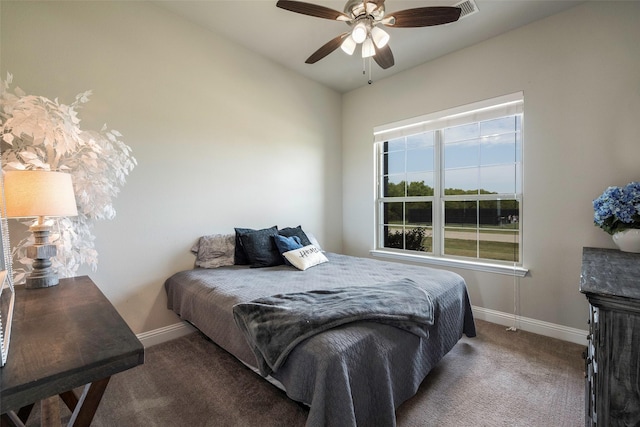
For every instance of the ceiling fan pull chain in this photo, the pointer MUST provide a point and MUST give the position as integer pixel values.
(370, 78)
(364, 66)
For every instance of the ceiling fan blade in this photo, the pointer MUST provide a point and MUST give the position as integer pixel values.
(312, 10)
(384, 57)
(326, 49)
(422, 17)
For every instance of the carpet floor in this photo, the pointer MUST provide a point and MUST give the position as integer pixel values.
(499, 378)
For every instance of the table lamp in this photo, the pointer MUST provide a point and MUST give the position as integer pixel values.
(39, 193)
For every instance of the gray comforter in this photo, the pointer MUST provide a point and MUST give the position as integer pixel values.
(354, 374)
(274, 325)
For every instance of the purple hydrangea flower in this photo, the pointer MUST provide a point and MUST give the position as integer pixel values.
(618, 208)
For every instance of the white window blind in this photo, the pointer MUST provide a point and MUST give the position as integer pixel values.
(488, 109)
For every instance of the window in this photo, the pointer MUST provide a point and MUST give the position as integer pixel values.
(449, 184)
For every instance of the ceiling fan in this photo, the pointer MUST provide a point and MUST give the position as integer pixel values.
(364, 17)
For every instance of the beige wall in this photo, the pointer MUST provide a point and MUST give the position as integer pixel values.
(223, 137)
(580, 73)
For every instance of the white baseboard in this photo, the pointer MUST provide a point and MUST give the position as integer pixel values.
(539, 327)
(565, 333)
(164, 334)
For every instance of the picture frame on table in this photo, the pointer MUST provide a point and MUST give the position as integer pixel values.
(7, 291)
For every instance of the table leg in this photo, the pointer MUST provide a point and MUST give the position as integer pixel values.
(87, 404)
(11, 419)
(83, 408)
(70, 399)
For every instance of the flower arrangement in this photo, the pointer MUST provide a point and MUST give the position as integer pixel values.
(38, 133)
(618, 208)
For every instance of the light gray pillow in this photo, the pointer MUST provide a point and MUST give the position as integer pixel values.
(215, 250)
(313, 240)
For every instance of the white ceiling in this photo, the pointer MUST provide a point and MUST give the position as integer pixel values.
(289, 38)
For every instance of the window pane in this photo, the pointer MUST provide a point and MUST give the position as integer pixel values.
(393, 213)
(490, 248)
(420, 184)
(460, 243)
(461, 228)
(418, 239)
(500, 230)
(419, 213)
(393, 186)
(394, 145)
(498, 126)
(420, 160)
(412, 239)
(461, 214)
(462, 133)
(461, 181)
(393, 237)
(420, 140)
(498, 150)
(462, 154)
(498, 179)
(393, 162)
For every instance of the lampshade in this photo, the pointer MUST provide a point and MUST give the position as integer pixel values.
(359, 32)
(380, 37)
(38, 193)
(348, 45)
(368, 49)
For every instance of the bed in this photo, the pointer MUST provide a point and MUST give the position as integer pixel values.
(353, 374)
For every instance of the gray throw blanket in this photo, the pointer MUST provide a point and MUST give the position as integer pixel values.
(274, 325)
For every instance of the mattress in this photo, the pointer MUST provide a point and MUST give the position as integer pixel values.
(354, 374)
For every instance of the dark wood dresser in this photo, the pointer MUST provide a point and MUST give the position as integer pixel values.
(610, 280)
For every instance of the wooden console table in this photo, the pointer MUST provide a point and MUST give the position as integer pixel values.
(64, 337)
(611, 282)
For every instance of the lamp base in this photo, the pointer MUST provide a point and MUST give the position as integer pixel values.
(41, 279)
(42, 275)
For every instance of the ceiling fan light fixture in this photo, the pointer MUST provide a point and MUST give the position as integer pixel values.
(368, 49)
(380, 37)
(348, 45)
(359, 32)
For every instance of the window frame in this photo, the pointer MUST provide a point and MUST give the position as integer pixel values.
(493, 108)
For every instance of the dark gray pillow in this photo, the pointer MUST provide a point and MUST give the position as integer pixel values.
(260, 248)
(239, 256)
(295, 231)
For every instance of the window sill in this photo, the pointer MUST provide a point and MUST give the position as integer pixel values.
(509, 270)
